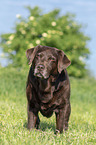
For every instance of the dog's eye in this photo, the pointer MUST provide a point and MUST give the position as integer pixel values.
(51, 59)
(39, 56)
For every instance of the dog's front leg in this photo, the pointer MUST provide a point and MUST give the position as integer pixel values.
(62, 117)
(60, 121)
(67, 111)
(32, 117)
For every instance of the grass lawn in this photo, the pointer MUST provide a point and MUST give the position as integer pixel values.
(13, 113)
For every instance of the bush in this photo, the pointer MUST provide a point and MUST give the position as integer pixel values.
(49, 29)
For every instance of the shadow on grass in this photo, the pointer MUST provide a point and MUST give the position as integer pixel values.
(25, 125)
(43, 126)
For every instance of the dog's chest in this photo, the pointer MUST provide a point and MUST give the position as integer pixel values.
(49, 94)
(50, 102)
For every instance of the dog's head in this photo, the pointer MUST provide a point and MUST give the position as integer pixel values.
(47, 61)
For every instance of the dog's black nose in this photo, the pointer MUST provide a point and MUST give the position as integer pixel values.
(40, 67)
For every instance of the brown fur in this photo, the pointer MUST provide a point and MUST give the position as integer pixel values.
(48, 87)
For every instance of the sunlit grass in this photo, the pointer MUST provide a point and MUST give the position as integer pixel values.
(13, 113)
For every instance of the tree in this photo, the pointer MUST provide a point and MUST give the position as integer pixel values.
(49, 29)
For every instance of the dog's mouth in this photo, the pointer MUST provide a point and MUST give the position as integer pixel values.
(39, 75)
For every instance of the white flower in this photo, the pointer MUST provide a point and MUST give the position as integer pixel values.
(67, 27)
(26, 25)
(42, 39)
(61, 33)
(74, 24)
(11, 37)
(8, 42)
(31, 45)
(53, 23)
(81, 58)
(49, 31)
(20, 29)
(23, 32)
(31, 18)
(53, 31)
(18, 16)
(22, 23)
(44, 34)
(37, 41)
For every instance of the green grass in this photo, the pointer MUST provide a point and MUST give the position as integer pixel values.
(13, 113)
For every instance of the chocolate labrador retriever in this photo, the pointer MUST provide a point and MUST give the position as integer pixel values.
(48, 87)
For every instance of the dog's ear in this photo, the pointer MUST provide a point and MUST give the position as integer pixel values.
(30, 54)
(63, 61)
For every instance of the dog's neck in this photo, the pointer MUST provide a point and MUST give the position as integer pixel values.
(50, 84)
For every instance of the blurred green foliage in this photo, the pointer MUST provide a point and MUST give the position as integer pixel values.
(49, 29)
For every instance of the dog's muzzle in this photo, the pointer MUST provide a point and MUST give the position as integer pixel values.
(40, 71)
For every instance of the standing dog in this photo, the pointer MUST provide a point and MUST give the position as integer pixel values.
(48, 87)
